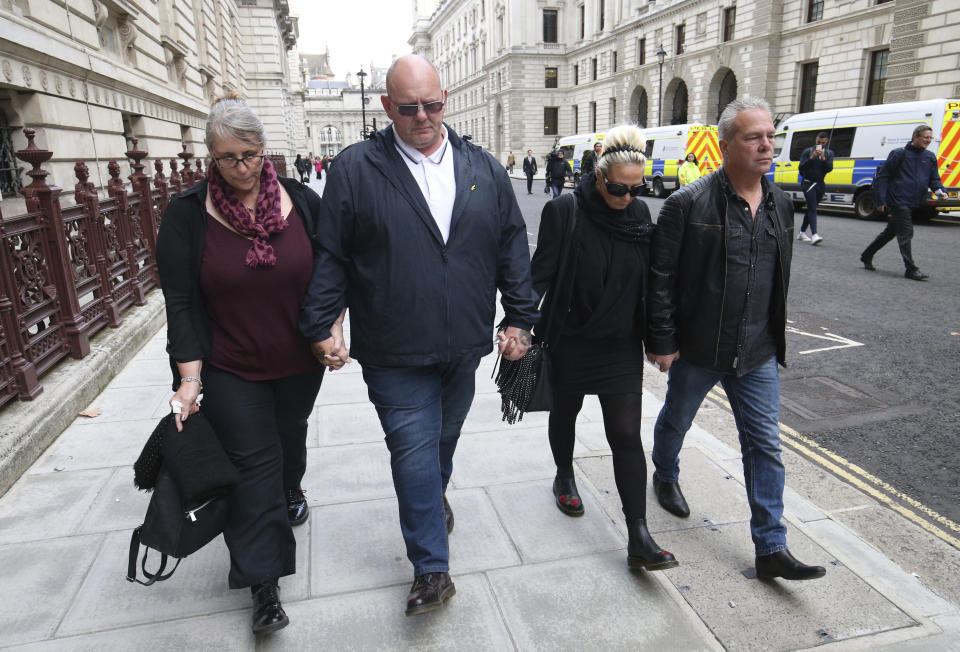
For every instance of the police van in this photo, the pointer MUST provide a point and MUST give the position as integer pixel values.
(574, 147)
(861, 137)
(666, 149)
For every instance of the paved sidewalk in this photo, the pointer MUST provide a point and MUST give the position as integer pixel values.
(528, 577)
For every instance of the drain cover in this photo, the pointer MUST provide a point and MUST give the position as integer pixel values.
(820, 397)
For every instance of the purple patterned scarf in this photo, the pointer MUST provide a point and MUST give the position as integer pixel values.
(267, 217)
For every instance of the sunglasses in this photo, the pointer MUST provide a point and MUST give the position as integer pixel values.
(619, 189)
(411, 110)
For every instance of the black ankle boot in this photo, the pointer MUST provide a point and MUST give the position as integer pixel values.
(643, 551)
(268, 614)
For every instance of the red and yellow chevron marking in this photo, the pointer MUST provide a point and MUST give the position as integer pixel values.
(703, 142)
(948, 158)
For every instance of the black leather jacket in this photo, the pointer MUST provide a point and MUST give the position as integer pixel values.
(688, 273)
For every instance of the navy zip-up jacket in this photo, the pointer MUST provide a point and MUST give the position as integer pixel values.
(907, 177)
(415, 300)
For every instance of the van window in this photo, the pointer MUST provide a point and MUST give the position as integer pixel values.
(648, 150)
(778, 142)
(841, 141)
(567, 151)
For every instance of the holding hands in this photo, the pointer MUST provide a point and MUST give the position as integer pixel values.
(332, 352)
(513, 342)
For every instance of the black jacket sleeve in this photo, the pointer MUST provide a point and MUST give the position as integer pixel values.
(513, 264)
(664, 268)
(546, 258)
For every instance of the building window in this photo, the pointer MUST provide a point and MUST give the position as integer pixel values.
(549, 25)
(681, 38)
(729, 23)
(593, 67)
(814, 10)
(551, 125)
(550, 78)
(641, 51)
(877, 81)
(613, 61)
(603, 10)
(576, 118)
(593, 116)
(613, 111)
(808, 87)
(576, 74)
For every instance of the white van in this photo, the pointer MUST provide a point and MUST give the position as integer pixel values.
(573, 148)
(861, 137)
(666, 149)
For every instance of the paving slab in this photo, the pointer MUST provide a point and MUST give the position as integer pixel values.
(339, 474)
(485, 416)
(145, 372)
(342, 388)
(225, 631)
(118, 506)
(49, 505)
(349, 558)
(353, 423)
(752, 614)
(199, 587)
(822, 488)
(542, 532)
(131, 403)
(593, 602)
(40, 580)
(156, 349)
(375, 620)
(93, 444)
(515, 455)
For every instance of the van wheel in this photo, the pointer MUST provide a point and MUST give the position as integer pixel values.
(658, 190)
(924, 213)
(863, 205)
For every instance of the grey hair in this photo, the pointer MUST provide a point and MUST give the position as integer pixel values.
(231, 117)
(623, 144)
(735, 108)
(921, 129)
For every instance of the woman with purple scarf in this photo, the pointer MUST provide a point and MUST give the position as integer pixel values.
(235, 259)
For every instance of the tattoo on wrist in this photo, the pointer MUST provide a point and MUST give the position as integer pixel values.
(524, 338)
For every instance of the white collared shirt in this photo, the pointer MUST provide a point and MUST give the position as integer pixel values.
(434, 174)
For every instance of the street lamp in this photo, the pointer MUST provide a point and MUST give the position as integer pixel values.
(363, 102)
(661, 55)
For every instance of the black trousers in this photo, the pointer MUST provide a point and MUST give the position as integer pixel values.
(263, 427)
(899, 226)
(529, 182)
(621, 422)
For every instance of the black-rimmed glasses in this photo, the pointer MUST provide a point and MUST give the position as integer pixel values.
(228, 162)
(411, 110)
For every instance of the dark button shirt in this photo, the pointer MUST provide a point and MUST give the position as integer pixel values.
(751, 275)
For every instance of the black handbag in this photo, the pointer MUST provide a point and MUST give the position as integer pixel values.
(526, 385)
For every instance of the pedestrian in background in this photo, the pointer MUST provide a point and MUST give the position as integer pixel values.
(717, 313)
(557, 173)
(300, 166)
(593, 269)
(588, 162)
(318, 166)
(815, 164)
(420, 252)
(511, 161)
(235, 260)
(689, 170)
(900, 186)
(529, 169)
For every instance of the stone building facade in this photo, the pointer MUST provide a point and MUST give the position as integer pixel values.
(89, 74)
(521, 73)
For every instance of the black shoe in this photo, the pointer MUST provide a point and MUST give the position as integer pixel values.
(297, 510)
(568, 498)
(916, 275)
(429, 592)
(868, 264)
(447, 514)
(643, 552)
(782, 564)
(670, 497)
(268, 614)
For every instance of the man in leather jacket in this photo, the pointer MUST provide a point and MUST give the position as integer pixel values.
(717, 313)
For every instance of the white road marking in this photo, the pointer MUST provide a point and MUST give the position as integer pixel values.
(841, 342)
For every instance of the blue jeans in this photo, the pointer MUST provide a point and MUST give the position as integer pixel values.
(421, 411)
(557, 189)
(813, 195)
(755, 400)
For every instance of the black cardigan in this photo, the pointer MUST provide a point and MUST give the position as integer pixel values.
(180, 245)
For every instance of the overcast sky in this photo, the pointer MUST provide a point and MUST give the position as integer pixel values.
(356, 31)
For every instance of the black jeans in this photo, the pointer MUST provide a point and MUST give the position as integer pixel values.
(899, 226)
(621, 422)
(263, 427)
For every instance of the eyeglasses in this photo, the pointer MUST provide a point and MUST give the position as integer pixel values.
(619, 189)
(411, 110)
(228, 162)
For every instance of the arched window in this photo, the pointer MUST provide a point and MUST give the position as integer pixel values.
(679, 115)
(728, 92)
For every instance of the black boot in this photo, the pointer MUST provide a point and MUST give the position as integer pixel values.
(568, 498)
(268, 614)
(670, 497)
(643, 551)
(783, 564)
(297, 509)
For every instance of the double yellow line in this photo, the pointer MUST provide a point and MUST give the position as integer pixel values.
(936, 524)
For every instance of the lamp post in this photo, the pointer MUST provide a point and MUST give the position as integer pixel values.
(661, 55)
(363, 103)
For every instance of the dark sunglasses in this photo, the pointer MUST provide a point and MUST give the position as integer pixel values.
(619, 189)
(411, 110)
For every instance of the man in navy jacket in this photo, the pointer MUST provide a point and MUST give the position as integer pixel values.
(418, 229)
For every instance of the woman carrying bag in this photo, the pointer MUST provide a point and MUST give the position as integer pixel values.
(594, 275)
(235, 260)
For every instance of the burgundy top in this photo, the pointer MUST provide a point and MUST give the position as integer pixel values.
(254, 311)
